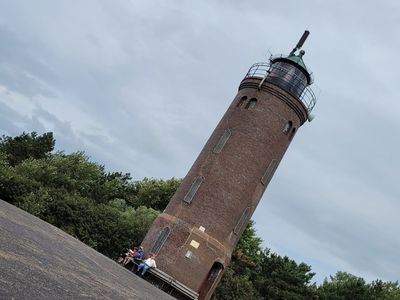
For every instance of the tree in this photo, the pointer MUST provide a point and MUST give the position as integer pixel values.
(236, 287)
(282, 278)
(27, 145)
(259, 274)
(108, 228)
(344, 286)
(248, 249)
(154, 193)
(237, 280)
(379, 290)
(73, 193)
(14, 185)
(108, 211)
(73, 172)
(110, 186)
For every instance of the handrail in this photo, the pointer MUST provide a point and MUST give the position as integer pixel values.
(262, 70)
(177, 285)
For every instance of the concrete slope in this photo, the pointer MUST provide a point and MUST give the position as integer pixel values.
(39, 261)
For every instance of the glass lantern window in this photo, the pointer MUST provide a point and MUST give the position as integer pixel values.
(287, 77)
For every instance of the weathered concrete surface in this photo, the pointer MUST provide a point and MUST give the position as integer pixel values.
(39, 261)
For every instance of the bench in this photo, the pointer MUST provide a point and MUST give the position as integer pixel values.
(166, 283)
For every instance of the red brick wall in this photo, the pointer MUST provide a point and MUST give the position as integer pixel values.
(232, 182)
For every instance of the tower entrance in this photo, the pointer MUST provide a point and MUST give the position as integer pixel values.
(212, 279)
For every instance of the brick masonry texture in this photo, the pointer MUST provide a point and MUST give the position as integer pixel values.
(232, 184)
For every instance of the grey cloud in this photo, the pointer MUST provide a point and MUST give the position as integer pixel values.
(18, 67)
(154, 79)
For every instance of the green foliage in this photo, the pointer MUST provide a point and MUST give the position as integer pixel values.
(248, 249)
(3, 159)
(344, 286)
(36, 203)
(14, 185)
(236, 287)
(26, 146)
(75, 194)
(154, 193)
(112, 186)
(282, 278)
(73, 172)
(106, 228)
(380, 290)
(262, 274)
(109, 212)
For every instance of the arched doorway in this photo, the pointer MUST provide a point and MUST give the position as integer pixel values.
(211, 281)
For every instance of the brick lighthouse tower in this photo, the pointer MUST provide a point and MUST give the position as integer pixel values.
(195, 235)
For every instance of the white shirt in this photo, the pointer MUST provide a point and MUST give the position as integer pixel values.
(150, 262)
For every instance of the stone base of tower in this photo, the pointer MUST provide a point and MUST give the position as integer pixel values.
(189, 254)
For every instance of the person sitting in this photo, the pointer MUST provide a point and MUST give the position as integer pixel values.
(139, 254)
(125, 253)
(148, 263)
(122, 256)
(130, 255)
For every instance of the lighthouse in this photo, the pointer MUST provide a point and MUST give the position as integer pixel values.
(195, 235)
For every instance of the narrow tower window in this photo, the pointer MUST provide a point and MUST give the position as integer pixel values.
(268, 172)
(287, 127)
(251, 104)
(292, 134)
(241, 101)
(242, 221)
(162, 237)
(193, 189)
(222, 141)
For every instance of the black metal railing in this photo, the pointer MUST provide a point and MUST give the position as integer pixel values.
(290, 82)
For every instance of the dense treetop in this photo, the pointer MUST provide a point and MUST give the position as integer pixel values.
(110, 211)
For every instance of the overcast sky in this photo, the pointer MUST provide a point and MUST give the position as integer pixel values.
(140, 86)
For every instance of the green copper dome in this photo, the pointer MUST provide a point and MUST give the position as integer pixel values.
(298, 59)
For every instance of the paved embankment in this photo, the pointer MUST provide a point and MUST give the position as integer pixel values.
(39, 261)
